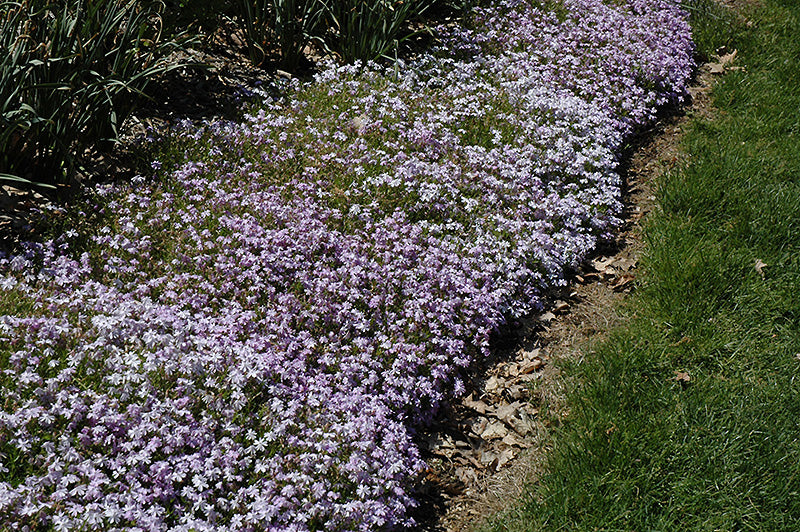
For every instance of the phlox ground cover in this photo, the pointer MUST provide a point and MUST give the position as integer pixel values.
(253, 335)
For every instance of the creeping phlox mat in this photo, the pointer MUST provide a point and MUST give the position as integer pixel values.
(250, 337)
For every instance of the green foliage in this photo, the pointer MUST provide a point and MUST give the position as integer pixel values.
(289, 24)
(350, 29)
(370, 29)
(713, 26)
(71, 71)
(459, 7)
(686, 418)
(198, 16)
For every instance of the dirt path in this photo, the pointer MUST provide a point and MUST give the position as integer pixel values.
(490, 446)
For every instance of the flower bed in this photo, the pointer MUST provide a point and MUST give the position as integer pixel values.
(255, 335)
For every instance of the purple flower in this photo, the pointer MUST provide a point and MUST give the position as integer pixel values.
(252, 343)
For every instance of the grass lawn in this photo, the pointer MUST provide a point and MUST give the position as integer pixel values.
(718, 306)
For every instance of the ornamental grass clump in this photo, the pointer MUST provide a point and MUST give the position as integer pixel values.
(71, 71)
(370, 29)
(350, 29)
(252, 337)
(290, 25)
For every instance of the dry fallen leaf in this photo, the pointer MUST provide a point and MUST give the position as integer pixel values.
(626, 263)
(547, 317)
(603, 264)
(461, 444)
(488, 459)
(530, 367)
(494, 431)
(478, 406)
(716, 68)
(528, 377)
(510, 370)
(506, 412)
(513, 439)
(493, 384)
(466, 458)
(588, 277)
(477, 426)
(760, 265)
(466, 475)
(721, 65)
(523, 424)
(727, 58)
(516, 392)
(504, 457)
(445, 452)
(533, 354)
(440, 441)
(682, 377)
(521, 427)
(623, 282)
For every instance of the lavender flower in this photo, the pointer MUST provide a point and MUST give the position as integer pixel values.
(252, 340)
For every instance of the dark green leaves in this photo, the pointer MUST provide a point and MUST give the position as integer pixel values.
(71, 71)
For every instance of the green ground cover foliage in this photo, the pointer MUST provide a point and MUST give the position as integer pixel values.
(641, 450)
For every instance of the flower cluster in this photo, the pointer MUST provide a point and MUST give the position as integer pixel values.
(253, 338)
